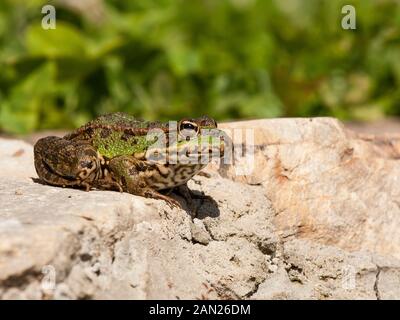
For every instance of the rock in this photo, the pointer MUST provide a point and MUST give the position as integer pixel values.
(279, 232)
(16, 159)
(199, 232)
(312, 271)
(325, 183)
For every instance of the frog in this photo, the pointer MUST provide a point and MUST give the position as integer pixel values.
(119, 152)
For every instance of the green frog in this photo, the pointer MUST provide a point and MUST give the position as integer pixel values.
(119, 152)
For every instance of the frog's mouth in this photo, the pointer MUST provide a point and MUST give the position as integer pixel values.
(212, 151)
(196, 151)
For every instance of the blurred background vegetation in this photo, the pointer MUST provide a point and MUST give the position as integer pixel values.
(165, 59)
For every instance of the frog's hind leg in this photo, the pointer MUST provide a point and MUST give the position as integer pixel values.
(131, 173)
(61, 162)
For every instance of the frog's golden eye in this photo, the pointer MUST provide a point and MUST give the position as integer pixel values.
(188, 128)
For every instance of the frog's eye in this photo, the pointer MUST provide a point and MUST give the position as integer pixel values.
(188, 125)
(188, 128)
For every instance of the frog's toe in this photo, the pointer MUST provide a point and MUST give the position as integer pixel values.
(86, 186)
(173, 203)
(169, 200)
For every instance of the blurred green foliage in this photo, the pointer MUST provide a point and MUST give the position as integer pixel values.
(165, 59)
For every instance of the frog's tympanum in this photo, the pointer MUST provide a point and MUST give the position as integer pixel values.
(119, 152)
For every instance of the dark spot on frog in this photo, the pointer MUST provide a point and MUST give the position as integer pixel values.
(134, 141)
(89, 132)
(104, 133)
(126, 136)
(107, 146)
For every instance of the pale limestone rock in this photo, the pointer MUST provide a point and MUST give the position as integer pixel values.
(326, 183)
(317, 219)
(16, 159)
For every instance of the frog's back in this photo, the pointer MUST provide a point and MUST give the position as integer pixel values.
(117, 134)
(115, 122)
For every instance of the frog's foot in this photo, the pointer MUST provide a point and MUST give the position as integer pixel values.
(188, 194)
(86, 185)
(107, 184)
(61, 162)
(150, 193)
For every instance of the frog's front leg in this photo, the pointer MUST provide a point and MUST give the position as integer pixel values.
(134, 177)
(185, 192)
(62, 162)
(188, 194)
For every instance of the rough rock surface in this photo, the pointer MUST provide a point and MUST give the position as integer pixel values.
(317, 219)
(326, 183)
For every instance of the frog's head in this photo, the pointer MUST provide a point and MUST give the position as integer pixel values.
(191, 141)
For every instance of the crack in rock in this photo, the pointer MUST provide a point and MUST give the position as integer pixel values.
(376, 284)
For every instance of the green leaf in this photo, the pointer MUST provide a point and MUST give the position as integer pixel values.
(19, 112)
(63, 41)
